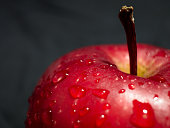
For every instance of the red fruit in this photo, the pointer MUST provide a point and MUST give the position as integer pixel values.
(70, 94)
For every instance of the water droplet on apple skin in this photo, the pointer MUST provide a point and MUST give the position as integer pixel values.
(106, 106)
(60, 76)
(97, 80)
(76, 124)
(104, 66)
(52, 103)
(101, 93)
(143, 115)
(140, 83)
(73, 111)
(89, 62)
(158, 78)
(46, 117)
(131, 86)
(122, 91)
(77, 91)
(100, 120)
(84, 111)
(155, 97)
(28, 122)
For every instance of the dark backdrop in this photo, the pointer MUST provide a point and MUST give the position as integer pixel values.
(33, 33)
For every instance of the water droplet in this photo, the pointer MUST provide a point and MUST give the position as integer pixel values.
(155, 97)
(143, 115)
(131, 86)
(36, 116)
(116, 78)
(29, 122)
(100, 120)
(122, 90)
(37, 88)
(52, 103)
(89, 62)
(76, 124)
(60, 76)
(97, 80)
(96, 74)
(106, 106)
(47, 117)
(77, 91)
(104, 66)
(81, 61)
(74, 105)
(48, 93)
(54, 123)
(60, 110)
(84, 111)
(73, 111)
(121, 77)
(140, 83)
(169, 94)
(101, 93)
(158, 78)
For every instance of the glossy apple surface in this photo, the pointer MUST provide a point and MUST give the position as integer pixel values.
(91, 87)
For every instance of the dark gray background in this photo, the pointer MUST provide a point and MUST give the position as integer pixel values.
(33, 33)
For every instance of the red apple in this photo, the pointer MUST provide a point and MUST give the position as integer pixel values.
(91, 87)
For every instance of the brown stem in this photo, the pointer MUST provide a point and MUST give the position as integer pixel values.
(127, 20)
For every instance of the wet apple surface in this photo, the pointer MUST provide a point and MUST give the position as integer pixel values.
(93, 87)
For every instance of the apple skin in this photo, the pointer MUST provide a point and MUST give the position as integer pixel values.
(86, 89)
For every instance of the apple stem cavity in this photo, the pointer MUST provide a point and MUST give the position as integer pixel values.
(127, 20)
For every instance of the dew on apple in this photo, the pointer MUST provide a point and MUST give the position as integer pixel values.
(76, 124)
(60, 110)
(116, 78)
(74, 105)
(73, 111)
(37, 102)
(84, 111)
(46, 116)
(52, 103)
(101, 93)
(131, 86)
(155, 97)
(54, 123)
(96, 74)
(29, 122)
(97, 80)
(106, 106)
(140, 83)
(122, 91)
(158, 78)
(104, 66)
(121, 77)
(124, 81)
(77, 91)
(60, 76)
(100, 120)
(143, 115)
(89, 62)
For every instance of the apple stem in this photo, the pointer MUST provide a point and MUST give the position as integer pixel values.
(127, 20)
